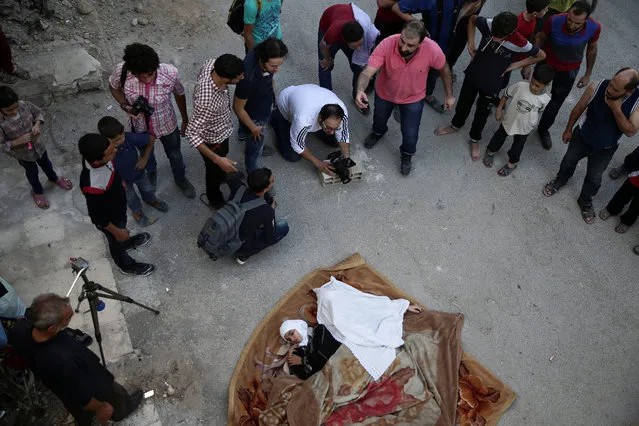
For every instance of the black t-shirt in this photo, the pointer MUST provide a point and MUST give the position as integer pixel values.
(256, 88)
(67, 367)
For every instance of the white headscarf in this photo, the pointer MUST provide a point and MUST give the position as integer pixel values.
(299, 325)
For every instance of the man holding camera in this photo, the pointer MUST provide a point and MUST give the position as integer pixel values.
(66, 366)
(143, 87)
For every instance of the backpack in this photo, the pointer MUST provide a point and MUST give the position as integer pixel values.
(235, 20)
(220, 235)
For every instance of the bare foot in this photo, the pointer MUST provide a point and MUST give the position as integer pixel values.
(475, 154)
(445, 130)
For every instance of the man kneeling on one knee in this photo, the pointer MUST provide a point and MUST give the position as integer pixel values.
(259, 229)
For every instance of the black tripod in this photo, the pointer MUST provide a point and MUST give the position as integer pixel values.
(92, 291)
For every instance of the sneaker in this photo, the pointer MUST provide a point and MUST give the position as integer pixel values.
(144, 220)
(267, 151)
(546, 140)
(406, 165)
(617, 172)
(160, 205)
(135, 399)
(371, 140)
(139, 240)
(187, 189)
(137, 268)
(241, 260)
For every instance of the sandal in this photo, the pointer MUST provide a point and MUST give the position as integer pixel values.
(489, 159)
(159, 205)
(617, 172)
(587, 212)
(40, 200)
(604, 214)
(622, 228)
(435, 104)
(550, 189)
(64, 183)
(506, 170)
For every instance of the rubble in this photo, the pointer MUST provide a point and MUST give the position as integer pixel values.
(84, 7)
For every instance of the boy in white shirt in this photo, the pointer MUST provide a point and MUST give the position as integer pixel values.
(528, 100)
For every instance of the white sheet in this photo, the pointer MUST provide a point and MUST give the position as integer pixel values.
(360, 57)
(370, 326)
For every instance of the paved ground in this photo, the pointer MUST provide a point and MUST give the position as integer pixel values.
(531, 277)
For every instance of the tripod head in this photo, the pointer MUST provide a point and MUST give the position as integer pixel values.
(79, 266)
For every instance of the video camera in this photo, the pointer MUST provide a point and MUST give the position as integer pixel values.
(341, 165)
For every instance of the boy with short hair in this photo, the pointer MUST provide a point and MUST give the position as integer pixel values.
(500, 45)
(106, 201)
(131, 167)
(526, 23)
(527, 100)
(20, 123)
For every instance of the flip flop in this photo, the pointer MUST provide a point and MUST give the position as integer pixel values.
(506, 170)
(435, 104)
(40, 200)
(587, 213)
(550, 189)
(488, 160)
(64, 183)
(621, 228)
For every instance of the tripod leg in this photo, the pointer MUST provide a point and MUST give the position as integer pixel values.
(110, 294)
(96, 325)
(81, 297)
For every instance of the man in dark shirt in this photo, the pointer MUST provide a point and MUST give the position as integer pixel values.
(67, 367)
(259, 228)
(254, 97)
(106, 202)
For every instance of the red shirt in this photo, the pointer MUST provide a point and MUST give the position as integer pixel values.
(385, 14)
(526, 29)
(404, 82)
(333, 20)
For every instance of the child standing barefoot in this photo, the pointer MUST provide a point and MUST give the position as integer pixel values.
(20, 123)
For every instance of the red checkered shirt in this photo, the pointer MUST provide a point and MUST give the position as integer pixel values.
(210, 122)
(13, 129)
(158, 93)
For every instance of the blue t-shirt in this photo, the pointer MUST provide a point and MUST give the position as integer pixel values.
(430, 16)
(256, 88)
(266, 22)
(127, 155)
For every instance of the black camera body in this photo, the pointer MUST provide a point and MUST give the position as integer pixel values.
(141, 105)
(341, 165)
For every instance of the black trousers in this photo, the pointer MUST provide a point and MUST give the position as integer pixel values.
(515, 150)
(628, 193)
(469, 92)
(561, 87)
(598, 161)
(387, 29)
(118, 249)
(215, 176)
(631, 162)
(119, 399)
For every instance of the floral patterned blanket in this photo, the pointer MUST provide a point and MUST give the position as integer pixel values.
(431, 381)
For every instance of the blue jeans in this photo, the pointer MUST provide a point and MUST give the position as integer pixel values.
(171, 144)
(325, 78)
(250, 248)
(282, 128)
(147, 191)
(31, 170)
(252, 148)
(411, 116)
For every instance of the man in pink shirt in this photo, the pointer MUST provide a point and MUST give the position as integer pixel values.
(403, 61)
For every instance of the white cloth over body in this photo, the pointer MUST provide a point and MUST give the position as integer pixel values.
(370, 326)
(360, 57)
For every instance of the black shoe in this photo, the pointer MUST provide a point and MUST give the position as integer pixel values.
(138, 240)
(406, 165)
(371, 140)
(546, 140)
(137, 268)
(617, 172)
(267, 151)
(187, 189)
(135, 399)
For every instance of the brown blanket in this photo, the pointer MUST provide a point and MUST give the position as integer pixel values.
(431, 381)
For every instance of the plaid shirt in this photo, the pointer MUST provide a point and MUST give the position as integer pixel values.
(211, 119)
(163, 120)
(13, 129)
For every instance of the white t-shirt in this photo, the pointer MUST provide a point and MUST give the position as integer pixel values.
(301, 106)
(523, 109)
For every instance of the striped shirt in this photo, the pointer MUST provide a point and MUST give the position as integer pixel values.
(163, 121)
(211, 119)
(301, 106)
(14, 127)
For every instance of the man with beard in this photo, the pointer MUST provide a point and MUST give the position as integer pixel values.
(564, 38)
(612, 113)
(404, 61)
(211, 125)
